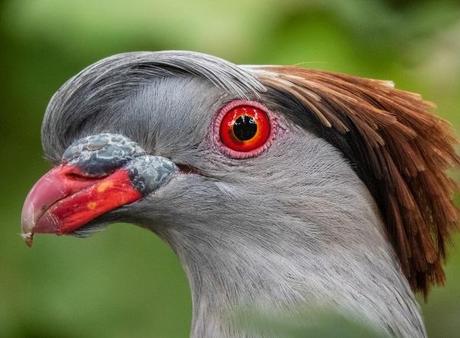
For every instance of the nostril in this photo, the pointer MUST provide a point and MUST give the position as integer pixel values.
(81, 177)
(74, 173)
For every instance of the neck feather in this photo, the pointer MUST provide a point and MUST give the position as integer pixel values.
(234, 274)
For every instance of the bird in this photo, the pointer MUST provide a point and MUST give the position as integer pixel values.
(279, 188)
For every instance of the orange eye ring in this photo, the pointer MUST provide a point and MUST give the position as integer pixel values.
(244, 129)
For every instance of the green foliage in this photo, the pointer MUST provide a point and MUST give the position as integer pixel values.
(125, 282)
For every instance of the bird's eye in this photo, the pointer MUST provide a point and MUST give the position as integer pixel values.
(244, 129)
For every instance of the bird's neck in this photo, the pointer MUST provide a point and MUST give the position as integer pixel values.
(235, 274)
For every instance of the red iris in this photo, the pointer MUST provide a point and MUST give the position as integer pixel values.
(244, 128)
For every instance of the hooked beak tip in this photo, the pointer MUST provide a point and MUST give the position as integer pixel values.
(27, 225)
(28, 238)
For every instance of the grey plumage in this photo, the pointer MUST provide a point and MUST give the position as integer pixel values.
(293, 228)
(107, 83)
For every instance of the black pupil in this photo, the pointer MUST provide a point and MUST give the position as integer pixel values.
(244, 128)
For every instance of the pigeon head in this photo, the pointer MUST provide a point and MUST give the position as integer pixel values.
(275, 186)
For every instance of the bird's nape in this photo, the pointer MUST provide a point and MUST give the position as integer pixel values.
(399, 148)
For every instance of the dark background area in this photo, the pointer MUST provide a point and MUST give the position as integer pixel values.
(125, 282)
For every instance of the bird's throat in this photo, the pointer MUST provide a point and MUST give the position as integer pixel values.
(228, 280)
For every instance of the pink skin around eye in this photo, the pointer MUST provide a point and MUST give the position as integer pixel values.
(243, 154)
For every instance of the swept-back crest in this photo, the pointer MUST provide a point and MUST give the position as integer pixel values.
(399, 148)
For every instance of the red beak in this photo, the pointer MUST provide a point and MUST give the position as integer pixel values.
(64, 200)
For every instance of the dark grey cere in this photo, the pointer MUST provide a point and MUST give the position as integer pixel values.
(100, 154)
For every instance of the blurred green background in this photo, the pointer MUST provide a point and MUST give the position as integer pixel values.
(125, 282)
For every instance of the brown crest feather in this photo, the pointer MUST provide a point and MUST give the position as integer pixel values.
(406, 148)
